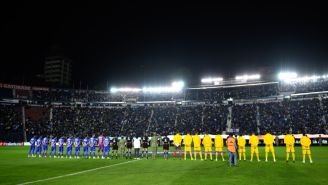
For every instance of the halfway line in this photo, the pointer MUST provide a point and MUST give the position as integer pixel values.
(76, 173)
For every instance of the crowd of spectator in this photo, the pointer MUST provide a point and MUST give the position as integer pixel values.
(11, 127)
(305, 86)
(214, 95)
(279, 117)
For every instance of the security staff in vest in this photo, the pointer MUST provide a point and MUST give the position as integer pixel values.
(232, 149)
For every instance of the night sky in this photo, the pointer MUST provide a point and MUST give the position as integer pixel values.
(138, 43)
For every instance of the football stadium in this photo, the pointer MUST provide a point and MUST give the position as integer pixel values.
(167, 135)
(194, 93)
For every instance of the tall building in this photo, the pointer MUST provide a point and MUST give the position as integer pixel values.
(58, 71)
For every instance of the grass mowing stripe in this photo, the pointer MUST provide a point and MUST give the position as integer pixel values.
(77, 173)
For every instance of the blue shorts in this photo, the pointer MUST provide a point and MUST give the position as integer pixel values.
(85, 148)
(32, 147)
(61, 148)
(107, 149)
(45, 147)
(39, 149)
(92, 148)
(53, 148)
(69, 148)
(77, 149)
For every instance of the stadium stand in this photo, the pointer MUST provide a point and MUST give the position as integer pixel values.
(259, 108)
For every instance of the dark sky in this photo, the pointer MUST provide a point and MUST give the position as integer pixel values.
(138, 43)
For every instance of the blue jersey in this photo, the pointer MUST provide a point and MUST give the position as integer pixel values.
(38, 142)
(45, 141)
(92, 142)
(61, 142)
(53, 142)
(106, 141)
(77, 142)
(69, 142)
(32, 141)
(85, 142)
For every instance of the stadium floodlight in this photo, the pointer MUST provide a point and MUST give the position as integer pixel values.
(214, 80)
(178, 84)
(175, 87)
(287, 76)
(124, 89)
(248, 77)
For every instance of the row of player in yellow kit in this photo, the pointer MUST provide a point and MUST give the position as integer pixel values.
(289, 140)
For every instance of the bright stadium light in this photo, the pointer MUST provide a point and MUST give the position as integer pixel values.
(248, 77)
(214, 80)
(124, 89)
(175, 87)
(178, 84)
(287, 76)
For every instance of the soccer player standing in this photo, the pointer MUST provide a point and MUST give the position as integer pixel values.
(77, 144)
(218, 142)
(39, 146)
(106, 153)
(145, 143)
(241, 147)
(69, 147)
(85, 144)
(32, 148)
(122, 146)
(154, 145)
(61, 142)
(45, 146)
(177, 144)
(254, 142)
(289, 140)
(92, 145)
(136, 146)
(53, 147)
(268, 141)
(197, 148)
(166, 147)
(187, 145)
(101, 139)
(306, 142)
(115, 147)
(207, 142)
(129, 143)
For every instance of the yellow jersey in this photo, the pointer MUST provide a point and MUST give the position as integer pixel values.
(196, 140)
(177, 139)
(241, 141)
(187, 140)
(254, 140)
(305, 141)
(207, 141)
(289, 139)
(218, 142)
(268, 139)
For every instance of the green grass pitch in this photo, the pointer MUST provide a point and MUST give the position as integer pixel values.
(16, 168)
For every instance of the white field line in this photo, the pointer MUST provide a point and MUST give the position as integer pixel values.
(77, 173)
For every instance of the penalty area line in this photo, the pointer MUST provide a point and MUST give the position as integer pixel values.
(77, 173)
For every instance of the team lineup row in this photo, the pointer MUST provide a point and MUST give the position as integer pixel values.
(39, 146)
